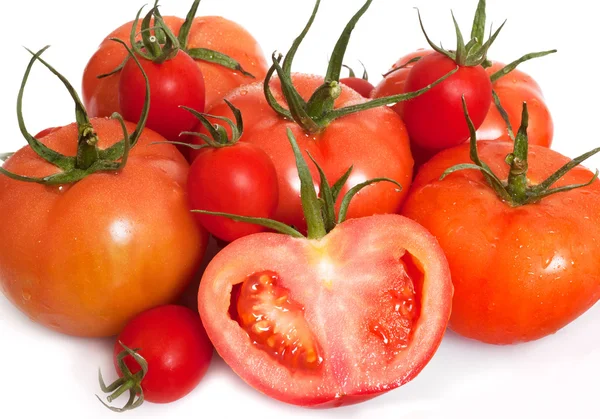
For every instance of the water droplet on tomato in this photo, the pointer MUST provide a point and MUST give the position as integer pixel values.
(243, 92)
(26, 296)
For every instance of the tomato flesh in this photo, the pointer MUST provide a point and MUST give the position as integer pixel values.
(275, 322)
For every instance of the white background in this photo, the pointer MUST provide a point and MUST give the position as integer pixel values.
(44, 373)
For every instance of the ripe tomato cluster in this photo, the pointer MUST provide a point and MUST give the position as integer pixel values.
(349, 232)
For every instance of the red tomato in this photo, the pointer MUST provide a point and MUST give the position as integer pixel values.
(512, 89)
(330, 321)
(174, 344)
(435, 119)
(238, 179)
(213, 32)
(375, 142)
(84, 258)
(175, 82)
(520, 273)
(361, 86)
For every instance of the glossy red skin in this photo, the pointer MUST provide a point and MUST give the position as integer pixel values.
(239, 179)
(435, 120)
(362, 86)
(337, 279)
(512, 89)
(83, 259)
(173, 342)
(519, 273)
(100, 96)
(175, 82)
(374, 142)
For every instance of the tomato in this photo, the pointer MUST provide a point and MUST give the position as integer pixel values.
(520, 272)
(173, 344)
(173, 83)
(239, 179)
(435, 120)
(353, 310)
(374, 141)
(213, 32)
(103, 249)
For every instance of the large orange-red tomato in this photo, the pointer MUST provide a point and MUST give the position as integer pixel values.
(512, 89)
(331, 321)
(85, 258)
(374, 142)
(520, 273)
(101, 96)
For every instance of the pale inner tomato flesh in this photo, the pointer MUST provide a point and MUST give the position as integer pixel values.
(394, 317)
(275, 322)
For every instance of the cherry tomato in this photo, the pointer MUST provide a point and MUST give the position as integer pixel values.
(331, 321)
(520, 273)
(361, 86)
(101, 96)
(374, 142)
(175, 82)
(103, 249)
(173, 343)
(435, 119)
(238, 179)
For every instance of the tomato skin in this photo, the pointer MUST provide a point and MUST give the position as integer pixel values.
(361, 86)
(512, 89)
(83, 259)
(435, 120)
(347, 268)
(374, 142)
(238, 179)
(519, 273)
(100, 96)
(173, 342)
(173, 83)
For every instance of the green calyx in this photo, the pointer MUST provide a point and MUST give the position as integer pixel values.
(218, 134)
(517, 190)
(128, 382)
(159, 43)
(319, 211)
(318, 112)
(474, 52)
(89, 158)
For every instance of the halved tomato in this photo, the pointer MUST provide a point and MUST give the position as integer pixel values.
(330, 321)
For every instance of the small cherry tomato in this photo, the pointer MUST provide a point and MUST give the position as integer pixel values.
(161, 355)
(173, 83)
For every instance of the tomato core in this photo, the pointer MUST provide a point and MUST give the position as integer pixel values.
(275, 322)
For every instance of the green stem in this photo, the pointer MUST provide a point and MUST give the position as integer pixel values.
(184, 32)
(510, 67)
(478, 30)
(517, 177)
(337, 57)
(323, 99)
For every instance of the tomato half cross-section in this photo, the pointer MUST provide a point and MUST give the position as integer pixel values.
(353, 310)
